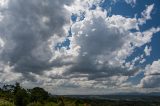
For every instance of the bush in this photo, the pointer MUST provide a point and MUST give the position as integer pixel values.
(21, 98)
(38, 94)
(5, 103)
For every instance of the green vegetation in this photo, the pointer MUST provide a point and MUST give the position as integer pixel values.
(5, 103)
(15, 95)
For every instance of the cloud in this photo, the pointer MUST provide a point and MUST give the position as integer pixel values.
(5, 71)
(131, 2)
(151, 76)
(147, 50)
(146, 14)
(29, 29)
(99, 44)
(104, 44)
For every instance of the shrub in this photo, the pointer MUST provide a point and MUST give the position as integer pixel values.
(5, 103)
(38, 94)
(21, 98)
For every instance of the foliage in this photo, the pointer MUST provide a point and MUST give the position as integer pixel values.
(5, 103)
(21, 98)
(38, 94)
(15, 95)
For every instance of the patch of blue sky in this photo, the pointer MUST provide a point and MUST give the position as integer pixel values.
(78, 17)
(65, 44)
(106, 5)
(118, 8)
(155, 21)
(81, 16)
(69, 32)
(74, 17)
(155, 53)
(137, 52)
(136, 79)
(122, 8)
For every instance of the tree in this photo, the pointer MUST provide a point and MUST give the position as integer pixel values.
(38, 94)
(21, 97)
(8, 88)
(16, 88)
(7, 92)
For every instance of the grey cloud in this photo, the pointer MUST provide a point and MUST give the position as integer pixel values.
(98, 39)
(151, 81)
(151, 76)
(26, 27)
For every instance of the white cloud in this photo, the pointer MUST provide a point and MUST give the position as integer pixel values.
(123, 22)
(7, 75)
(99, 47)
(100, 42)
(147, 50)
(151, 76)
(140, 38)
(153, 69)
(142, 61)
(1, 43)
(131, 2)
(146, 14)
(3, 3)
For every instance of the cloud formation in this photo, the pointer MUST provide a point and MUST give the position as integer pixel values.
(100, 39)
(152, 76)
(26, 30)
(97, 52)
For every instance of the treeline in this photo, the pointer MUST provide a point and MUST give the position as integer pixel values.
(15, 95)
(27, 97)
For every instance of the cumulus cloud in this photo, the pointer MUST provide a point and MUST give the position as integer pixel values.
(152, 76)
(104, 44)
(98, 46)
(26, 30)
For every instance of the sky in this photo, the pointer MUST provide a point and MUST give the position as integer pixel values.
(81, 46)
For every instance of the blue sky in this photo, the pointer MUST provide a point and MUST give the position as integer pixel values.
(79, 47)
